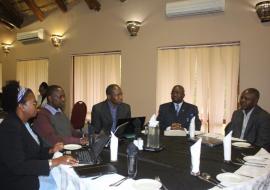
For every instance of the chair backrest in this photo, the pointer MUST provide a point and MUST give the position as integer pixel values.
(78, 115)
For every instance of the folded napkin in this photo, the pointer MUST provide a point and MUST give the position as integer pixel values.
(195, 156)
(227, 146)
(114, 147)
(139, 143)
(153, 121)
(192, 128)
(57, 155)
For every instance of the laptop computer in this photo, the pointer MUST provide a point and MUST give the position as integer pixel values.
(94, 170)
(129, 127)
(90, 155)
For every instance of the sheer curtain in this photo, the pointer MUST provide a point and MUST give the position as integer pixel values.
(209, 75)
(92, 74)
(1, 77)
(31, 73)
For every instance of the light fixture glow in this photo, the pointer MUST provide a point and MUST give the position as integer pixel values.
(6, 48)
(56, 40)
(133, 27)
(263, 10)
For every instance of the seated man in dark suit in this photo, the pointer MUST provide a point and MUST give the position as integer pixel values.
(178, 114)
(251, 122)
(105, 114)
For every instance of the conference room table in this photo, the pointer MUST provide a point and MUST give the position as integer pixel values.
(172, 165)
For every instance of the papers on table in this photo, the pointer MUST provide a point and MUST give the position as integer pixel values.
(179, 133)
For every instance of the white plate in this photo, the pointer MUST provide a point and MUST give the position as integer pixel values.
(72, 146)
(230, 178)
(147, 184)
(254, 159)
(241, 144)
(237, 139)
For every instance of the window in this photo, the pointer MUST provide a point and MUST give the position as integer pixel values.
(31, 73)
(209, 75)
(92, 74)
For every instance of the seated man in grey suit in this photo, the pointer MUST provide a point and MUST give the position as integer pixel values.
(105, 114)
(178, 113)
(251, 122)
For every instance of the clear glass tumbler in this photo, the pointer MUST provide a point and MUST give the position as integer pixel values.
(132, 166)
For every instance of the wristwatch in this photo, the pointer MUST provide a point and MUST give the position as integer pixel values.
(50, 163)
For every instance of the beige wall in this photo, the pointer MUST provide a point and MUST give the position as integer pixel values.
(88, 31)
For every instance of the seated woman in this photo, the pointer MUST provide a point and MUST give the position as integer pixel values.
(22, 156)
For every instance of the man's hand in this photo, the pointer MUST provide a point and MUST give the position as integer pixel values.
(57, 147)
(84, 141)
(67, 160)
(176, 126)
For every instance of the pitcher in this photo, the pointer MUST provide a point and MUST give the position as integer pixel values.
(152, 136)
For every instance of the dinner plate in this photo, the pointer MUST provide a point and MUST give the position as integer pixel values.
(230, 178)
(72, 146)
(241, 144)
(254, 159)
(237, 139)
(147, 184)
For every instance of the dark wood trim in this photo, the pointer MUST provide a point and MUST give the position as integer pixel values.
(61, 4)
(36, 10)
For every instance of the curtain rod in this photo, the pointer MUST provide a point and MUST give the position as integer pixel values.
(97, 53)
(31, 59)
(201, 45)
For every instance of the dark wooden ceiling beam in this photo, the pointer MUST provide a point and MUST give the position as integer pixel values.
(93, 4)
(61, 4)
(36, 10)
(9, 15)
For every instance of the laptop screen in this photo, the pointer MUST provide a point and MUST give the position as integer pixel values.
(129, 127)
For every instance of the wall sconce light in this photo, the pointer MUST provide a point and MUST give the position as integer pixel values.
(133, 27)
(56, 40)
(263, 11)
(6, 48)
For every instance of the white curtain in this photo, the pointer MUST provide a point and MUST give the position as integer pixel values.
(1, 77)
(209, 75)
(92, 74)
(31, 73)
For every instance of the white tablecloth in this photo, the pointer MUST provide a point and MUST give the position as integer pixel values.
(63, 177)
(261, 180)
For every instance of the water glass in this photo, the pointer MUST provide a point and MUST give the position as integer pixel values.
(132, 166)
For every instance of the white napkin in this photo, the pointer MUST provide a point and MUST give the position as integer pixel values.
(192, 128)
(57, 155)
(114, 147)
(138, 143)
(153, 121)
(227, 146)
(195, 156)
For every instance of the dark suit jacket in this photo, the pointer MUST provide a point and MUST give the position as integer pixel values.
(22, 160)
(167, 115)
(257, 130)
(101, 118)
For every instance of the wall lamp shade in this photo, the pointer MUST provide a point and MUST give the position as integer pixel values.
(133, 27)
(263, 11)
(56, 40)
(6, 48)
